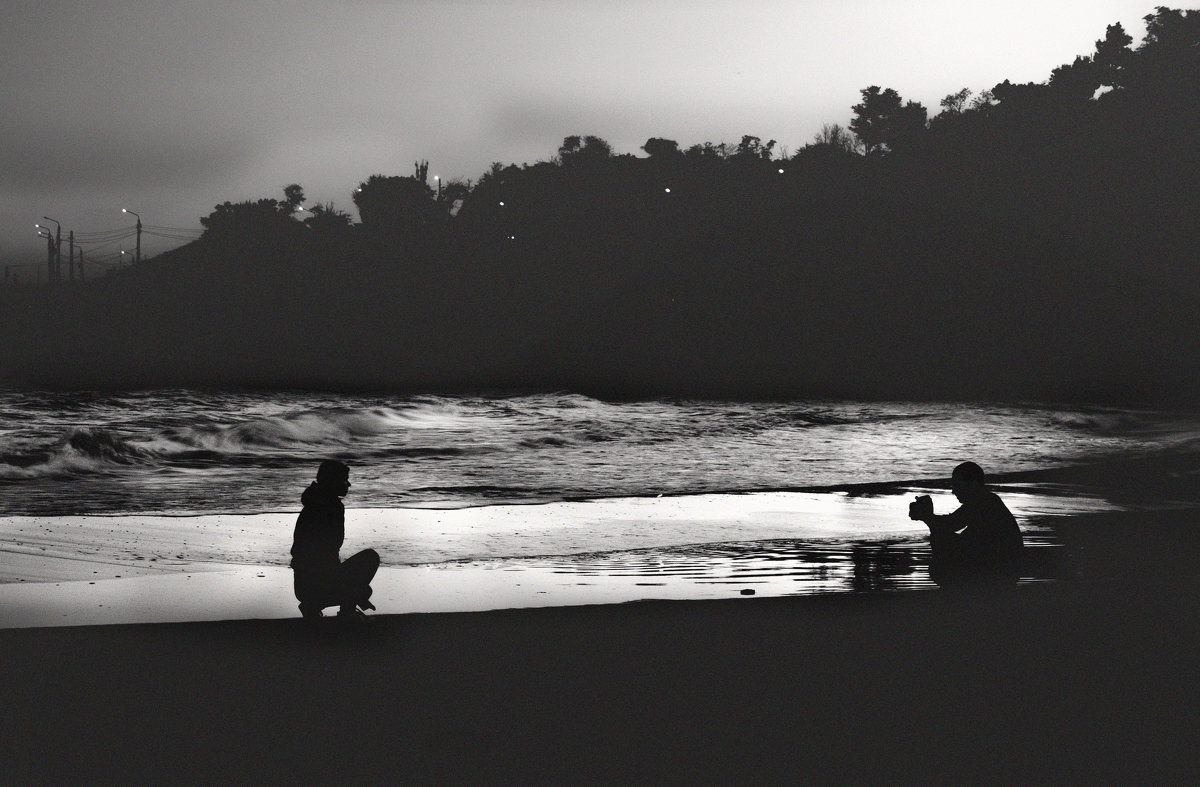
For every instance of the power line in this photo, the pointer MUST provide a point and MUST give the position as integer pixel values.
(171, 236)
(102, 236)
(173, 229)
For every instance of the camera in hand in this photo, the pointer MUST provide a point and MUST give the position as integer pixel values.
(921, 507)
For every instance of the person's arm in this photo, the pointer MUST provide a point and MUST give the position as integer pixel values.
(922, 511)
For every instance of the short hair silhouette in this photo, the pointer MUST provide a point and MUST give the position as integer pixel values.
(332, 470)
(969, 472)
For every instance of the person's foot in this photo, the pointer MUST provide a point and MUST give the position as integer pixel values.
(309, 611)
(353, 617)
(365, 605)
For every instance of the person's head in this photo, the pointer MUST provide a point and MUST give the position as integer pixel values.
(967, 481)
(334, 475)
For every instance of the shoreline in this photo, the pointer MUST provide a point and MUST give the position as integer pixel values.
(87, 570)
(61, 547)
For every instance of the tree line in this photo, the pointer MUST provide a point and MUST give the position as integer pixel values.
(1031, 240)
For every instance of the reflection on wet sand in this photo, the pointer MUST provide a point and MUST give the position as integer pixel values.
(787, 567)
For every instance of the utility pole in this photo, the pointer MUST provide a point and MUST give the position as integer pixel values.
(137, 256)
(56, 266)
(71, 256)
(49, 256)
(81, 265)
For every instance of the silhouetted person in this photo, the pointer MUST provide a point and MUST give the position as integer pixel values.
(980, 542)
(321, 579)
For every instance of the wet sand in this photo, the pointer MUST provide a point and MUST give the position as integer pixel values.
(80, 570)
(86, 570)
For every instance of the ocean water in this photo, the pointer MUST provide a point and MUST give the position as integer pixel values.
(488, 501)
(187, 452)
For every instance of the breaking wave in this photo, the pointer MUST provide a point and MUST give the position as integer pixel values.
(173, 451)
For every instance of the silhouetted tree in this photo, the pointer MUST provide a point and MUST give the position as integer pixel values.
(1112, 56)
(395, 205)
(834, 137)
(326, 218)
(1168, 59)
(883, 122)
(752, 149)
(588, 149)
(956, 103)
(256, 220)
(657, 147)
(293, 198)
(984, 99)
(1077, 81)
(708, 150)
(453, 194)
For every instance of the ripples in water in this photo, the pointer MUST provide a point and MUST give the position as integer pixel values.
(777, 567)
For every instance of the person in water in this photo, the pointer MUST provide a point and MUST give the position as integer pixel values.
(979, 541)
(321, 579)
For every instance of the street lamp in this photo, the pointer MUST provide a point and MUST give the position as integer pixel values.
(137, 258)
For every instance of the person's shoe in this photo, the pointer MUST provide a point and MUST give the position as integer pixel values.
(353, 618)
(309, 611)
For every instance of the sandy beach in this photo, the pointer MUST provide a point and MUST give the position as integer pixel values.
(1089, 678)
(1062, 683)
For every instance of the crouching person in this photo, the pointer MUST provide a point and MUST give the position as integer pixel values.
(320, 577)
(979, 543)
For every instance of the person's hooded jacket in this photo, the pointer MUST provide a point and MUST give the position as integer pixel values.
(320, 529)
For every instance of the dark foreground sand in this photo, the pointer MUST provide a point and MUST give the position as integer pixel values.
(1085, 681)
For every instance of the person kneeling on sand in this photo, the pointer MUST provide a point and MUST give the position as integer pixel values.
(320, 578)
(979, 542)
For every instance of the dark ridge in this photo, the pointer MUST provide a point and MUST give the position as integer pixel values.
(1036, 242)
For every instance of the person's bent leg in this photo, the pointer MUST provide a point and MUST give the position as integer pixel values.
(315, 590)
(947, 560)
(357, 572)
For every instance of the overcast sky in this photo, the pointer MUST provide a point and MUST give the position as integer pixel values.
(169, 107)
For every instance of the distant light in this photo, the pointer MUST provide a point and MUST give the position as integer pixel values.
(667, 190)
(502, 204)
(512, 237)
(781, 170)
(124, 210)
